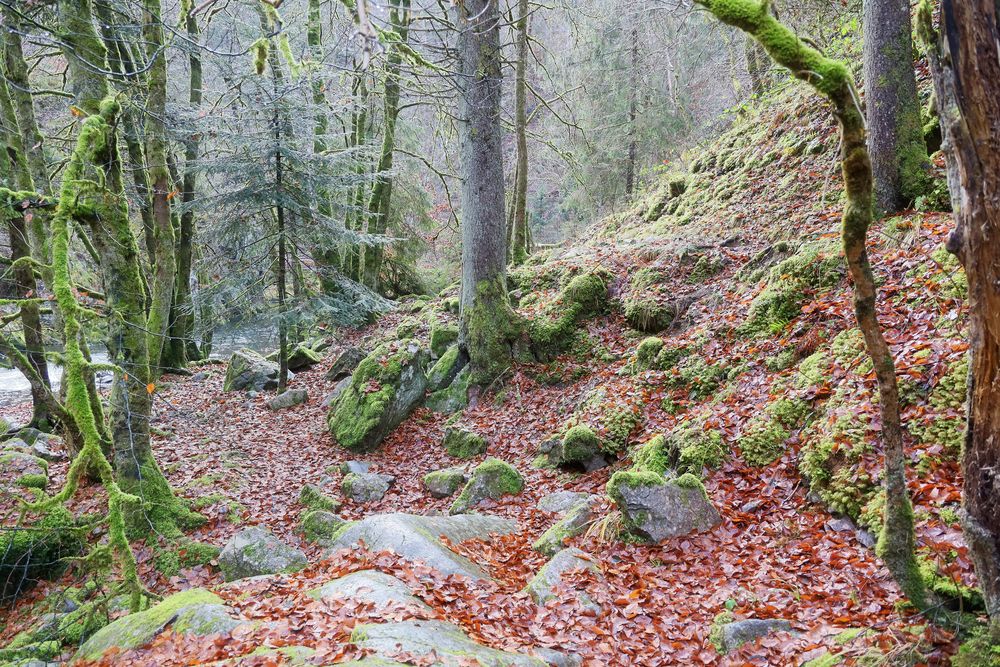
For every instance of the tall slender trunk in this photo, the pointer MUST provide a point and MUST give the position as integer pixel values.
(633, 95)
(519, 237)
(967, 88)
(488, 325)
(896, 545)
(381, 197)
(895, 134)
(356, 217)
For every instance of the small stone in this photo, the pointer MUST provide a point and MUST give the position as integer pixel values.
(840, 525)
(561, 501)
(359, 467)
(730, 636)
(345, 363)
(445, 483)
(255, 551)
(751, 506)
(338, 389)
(493, 479)
(288, 398)
(366, 487)
(867, 538)
(200, 376)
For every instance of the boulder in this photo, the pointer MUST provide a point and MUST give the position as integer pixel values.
(248, 370)
(445, 483)
(255, 551)
(312, 497)
(435, 642)
(359, 467)
(454, 397)
(416, 538)
(492, 479)
(320, 526)
(561, 501)
(447, 368)
(543, 586)
(384, 389)
(463, 443)
(729, 633)
(345, 363)
(574, 523)
(303, 357)
(20, 469)
(366, 487)
(654, 508)
(195, 612)
(288, 398)
(370, 586)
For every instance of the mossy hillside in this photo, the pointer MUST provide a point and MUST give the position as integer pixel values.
(612, 415)
(944, 424)
(817, 265)
(585, 296)
(699, 377)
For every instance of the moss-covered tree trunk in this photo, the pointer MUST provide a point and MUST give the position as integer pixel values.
(95, 197)
(356, 197)
(487, 320)
(633, 102)
(896, 544)
(967, 86)
(519, 236)
(895, 133)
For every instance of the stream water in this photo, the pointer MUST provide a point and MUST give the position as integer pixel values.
(14, 387)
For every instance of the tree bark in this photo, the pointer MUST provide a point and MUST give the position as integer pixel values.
(966, 73)
(896, 545)
(633, 101)
(895, 134)
(487, 320)
(519, 238)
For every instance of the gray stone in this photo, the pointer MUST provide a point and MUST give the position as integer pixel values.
(248, 370)
(319, 526)
(370, 586)
(655, 509)
(195, 612)
(449, 645)
(345, 363)
(359, 467)
(255, 551)
(288, 398)
(338, 389)
(416, 538)
(447, 368)
(452, 398)
(555, 658)
(574, 523)
(733, 635)
(445, 483)
(561, 501)
(200, 376)
(543, 585)
(366, 487)
(19, 469)
(491, 479)
(303, 357)
(49, 447)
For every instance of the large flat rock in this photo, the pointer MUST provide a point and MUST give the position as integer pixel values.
(449, 646)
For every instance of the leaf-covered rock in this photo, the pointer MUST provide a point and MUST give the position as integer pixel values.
(445, 483)
(543, 586)
(255, 551)
(447, 643)
(655, 509)
(576, 520)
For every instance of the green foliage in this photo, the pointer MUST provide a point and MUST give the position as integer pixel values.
(37, 550)
(763, 443)
(789, 412)
(463, 444)
(945, 421)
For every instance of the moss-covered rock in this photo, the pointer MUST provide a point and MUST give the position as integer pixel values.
(303, 357)
(384, 389)
(576, 520)
(195, 612)
(492, 479)
(763, 442)
(446, 369)
(255, 551)
(320, 526)
(366, 487)
(584, 296)
(442, 337)
(578, 447)
(654, 509)
(691, 447)
(445, 483)
(36, 550)
(645, 308)
(815, 266)
(248, 370)
(463, 443)
(20, 469)
(645, 354)
(313, 498)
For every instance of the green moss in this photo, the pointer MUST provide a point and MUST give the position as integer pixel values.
(183, 554)
(715, 632)
(492, 329)
(589, 291)
(463, 444)
(781, 361)
(631, 479)
(618, 422)
(37, 550)
(956, 594)
(701, 378)
(764, 442)
(654, 456)
(509, 480)
(646, 353)
(824, 660)
(831, 461)
(442, 337)
(689, 481)
(945, 422)
(697, 448)
(706, 267)
(813, 371)
(981, 650)
(313, 498)
(579, 443)
(789, 412)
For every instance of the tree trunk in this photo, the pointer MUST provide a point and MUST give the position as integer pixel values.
(519, 238)
(895, 135)
(967, 86)
(381, 197)
(633, 95)
(487, 320)
(833, 79)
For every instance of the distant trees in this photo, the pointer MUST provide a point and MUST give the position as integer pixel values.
(963, 57)
(895, 135)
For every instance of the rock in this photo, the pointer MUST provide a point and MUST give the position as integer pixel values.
(345, 363)
(447, 643)
(338, 389)
(39, 551)
(312, 496)
(20, 469)
(320, 526)
(493, 479)
(561, 501)
(867, 538)
(384, 389)
(359, 467)
(580, 447)
(655, 509)
(543, 585)
(728, 633)
(303, 357)
(452, 398)
(255, 551)
(447, 368)
(250, 371)
(195, 612)
(463, 443)
(415, 538)
(555, 658)
(366, 487)
(445, 483)
(370, 586)
(576, 521)
(442, 336)
(48, 449)
(841, 525)
(288, 398)
(200, 376)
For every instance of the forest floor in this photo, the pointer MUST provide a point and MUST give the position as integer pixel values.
(776, 554)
